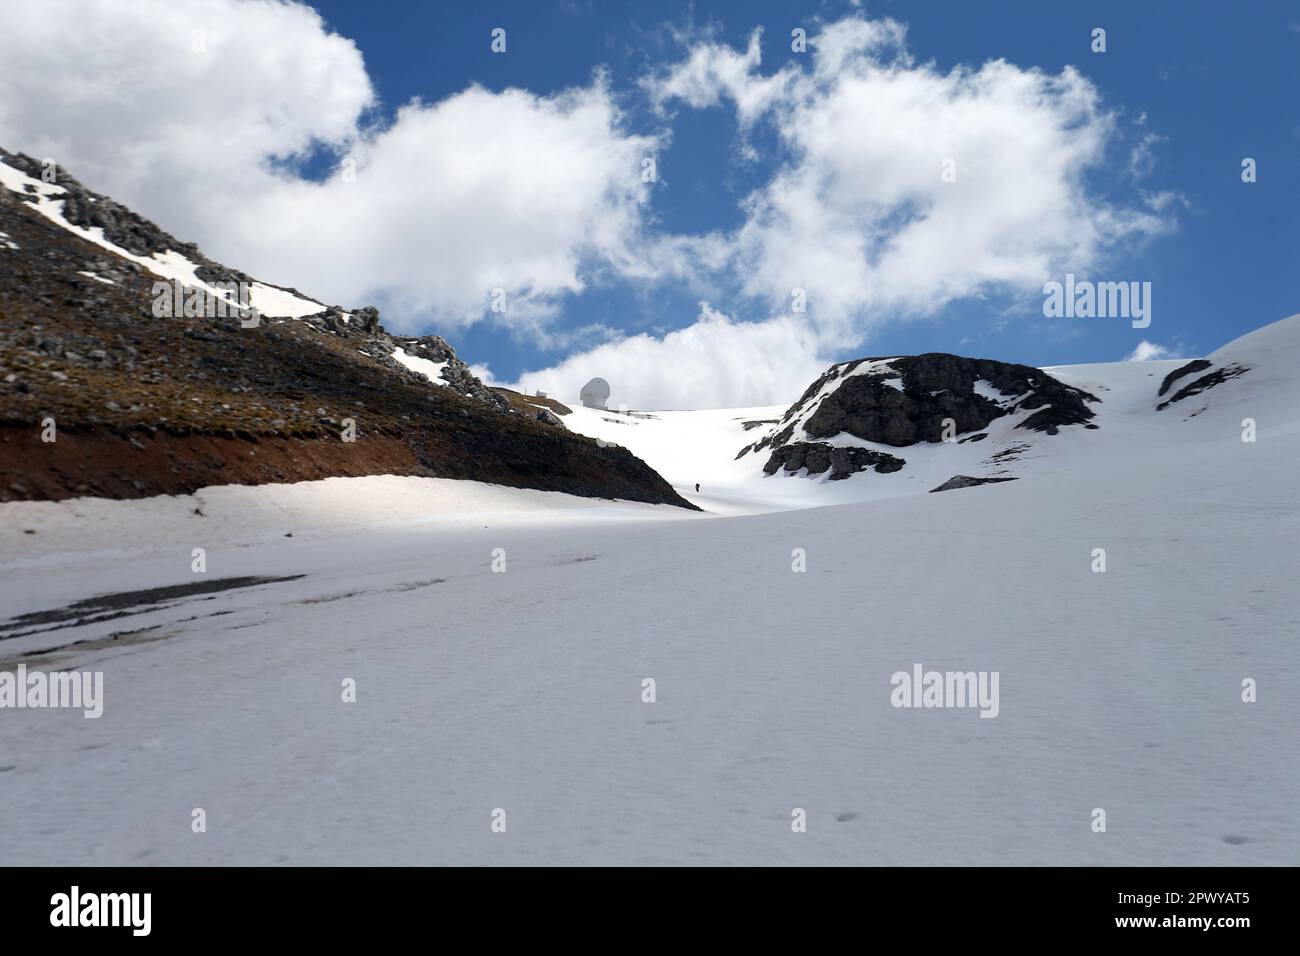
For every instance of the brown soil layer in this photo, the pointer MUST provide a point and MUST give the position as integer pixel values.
(105, 463)
(146, 405)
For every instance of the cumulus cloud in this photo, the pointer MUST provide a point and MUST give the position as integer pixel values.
(480, 191)
(712, 72)
(180, 108)
(202, 114)
(863, 217)
(194, 111)
(1150, 352)
(713, 363)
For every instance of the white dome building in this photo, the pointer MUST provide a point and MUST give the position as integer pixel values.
(595, 393)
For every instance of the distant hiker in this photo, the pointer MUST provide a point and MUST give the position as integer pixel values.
(697, 487)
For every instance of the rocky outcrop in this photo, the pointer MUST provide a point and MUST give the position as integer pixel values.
(966, 481)
(841, 461)
(120, 226)
(363, 326)
(923, 398)
(548, 417)
(87, 209)
(366, 320)
(455, 373)
(1198, 365)
(1198, 385)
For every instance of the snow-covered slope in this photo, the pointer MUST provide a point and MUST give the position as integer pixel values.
(700, 446)
(689, 447)
(500, 641)
(478, 690)
(519, 686)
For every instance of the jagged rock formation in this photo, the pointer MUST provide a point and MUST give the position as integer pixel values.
(905, 401)
(121, 226)
(454, 372)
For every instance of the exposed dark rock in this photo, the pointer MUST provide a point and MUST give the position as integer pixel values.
(367, 319)
(122, 227)
(548, 417)
(1010, 453)
(1198, 365)
(936, 387)
(842, 461)
(909, 400)
(333, 321)
(87, 209)
(1217, 377)
(966, 481)
(455, 373)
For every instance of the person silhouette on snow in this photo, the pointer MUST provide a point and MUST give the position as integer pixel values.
(697, 487)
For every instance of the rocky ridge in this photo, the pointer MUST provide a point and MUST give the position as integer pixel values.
(908, 400)
(145, 405)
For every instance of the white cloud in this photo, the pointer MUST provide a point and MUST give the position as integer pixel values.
(712, 72)
(1141, 159)
(713, 363)
(861, 217)
(477, 192)
(540, 195)
(116, 92)
(1150, 352)
(450, 200)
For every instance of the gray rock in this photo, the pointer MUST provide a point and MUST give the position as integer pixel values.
(548, 417)
(818, 457)
(366, 319)
(455, 373)
(908, 400)
(966, 481)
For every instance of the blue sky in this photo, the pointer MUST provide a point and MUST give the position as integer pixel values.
(1137, 178)
(1216, 84)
